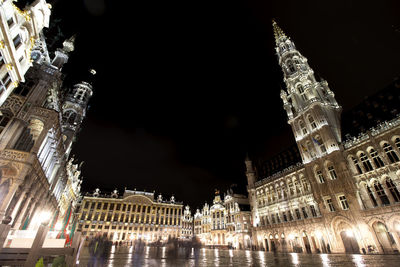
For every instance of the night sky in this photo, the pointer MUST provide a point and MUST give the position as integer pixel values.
(185, 88)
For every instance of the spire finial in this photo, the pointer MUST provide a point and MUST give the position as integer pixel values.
(278, 33)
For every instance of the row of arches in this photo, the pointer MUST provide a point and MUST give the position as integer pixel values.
(283, 189)
(378, 192)
(374, 158)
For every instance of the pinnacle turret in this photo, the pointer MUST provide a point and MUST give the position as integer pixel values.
(278, 32)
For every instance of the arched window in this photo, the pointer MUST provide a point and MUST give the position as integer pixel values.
(366, 163)
(312, 122)
(291, 66)
(320, 176)
(356, 164)
(397, 143)
(302, 93)
(375, 157)
(303, 127)
(390, 153)
(393, 190)
(381, 193)
(332, 172)
(371, 196)
(290, 186)
(69, 117)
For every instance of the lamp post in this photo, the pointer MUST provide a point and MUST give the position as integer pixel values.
(39, 239)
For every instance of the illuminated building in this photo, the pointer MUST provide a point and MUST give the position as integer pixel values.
(225, 223)
(344, 195)
(187, 224)
(134, 215)
(39, 122)
(20, 33)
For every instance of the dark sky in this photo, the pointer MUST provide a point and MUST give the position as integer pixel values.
(185, 88)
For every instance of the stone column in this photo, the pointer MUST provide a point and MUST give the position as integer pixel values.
(22, 197)
(15, 183)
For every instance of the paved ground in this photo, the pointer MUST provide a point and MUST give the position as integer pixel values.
(123, 256)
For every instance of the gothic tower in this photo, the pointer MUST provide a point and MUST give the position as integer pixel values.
(74, 111)
(312, 110)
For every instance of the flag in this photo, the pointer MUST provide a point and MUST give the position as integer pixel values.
(316, 141)
(53, 221)
(26, 223)
(67, 217)
(71, 235)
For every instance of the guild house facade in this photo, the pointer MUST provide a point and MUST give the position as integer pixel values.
(133, 215)
(39, 121)
(225, 223)
(343, 195)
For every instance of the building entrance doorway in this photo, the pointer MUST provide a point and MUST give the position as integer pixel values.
(385, 238)
(266, 245)
(349, 242)
(306, 243)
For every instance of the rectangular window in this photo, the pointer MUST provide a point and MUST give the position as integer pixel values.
(343, 202)
(10, 22)
(118, 207)
(105, 206)
(329, 203)
(303, 209)
(290, 215)
(320, 176)
(332, 172)
(298, 216)
(5, 81)
(17, 41)
(313, 211)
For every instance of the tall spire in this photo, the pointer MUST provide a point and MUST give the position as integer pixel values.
(278, 33)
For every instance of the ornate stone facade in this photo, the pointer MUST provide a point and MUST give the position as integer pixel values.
(134, 215)
(226, 223)
(344, 195)
(19, 32)
(37, 128)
